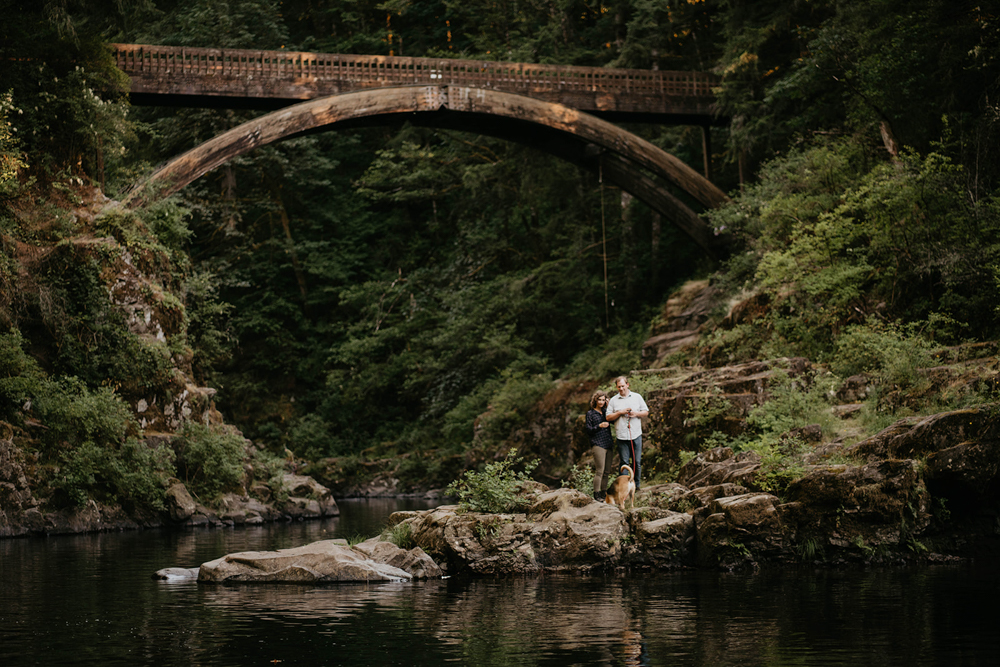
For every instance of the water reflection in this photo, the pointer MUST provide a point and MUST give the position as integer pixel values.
(90, 600)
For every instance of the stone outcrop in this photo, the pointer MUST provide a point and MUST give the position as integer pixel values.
(722, 512)
(689, 403)
(562, 530)
(307, 498)
(22, 514)
(327, 561)
(15, 492)
(680, 323)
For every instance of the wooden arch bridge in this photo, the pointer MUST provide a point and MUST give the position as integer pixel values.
(563, 110)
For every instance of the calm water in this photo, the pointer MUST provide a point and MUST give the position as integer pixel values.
(90, 600)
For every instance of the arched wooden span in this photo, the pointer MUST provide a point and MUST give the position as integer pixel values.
(568, 133)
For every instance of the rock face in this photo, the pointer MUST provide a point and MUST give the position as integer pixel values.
(15, 492)
(688, 402)
(327, 561)
(562, 530)
(680, 323)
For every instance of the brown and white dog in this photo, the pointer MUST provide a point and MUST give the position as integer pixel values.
(622, 489)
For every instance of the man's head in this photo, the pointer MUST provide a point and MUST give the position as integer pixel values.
(622, 384)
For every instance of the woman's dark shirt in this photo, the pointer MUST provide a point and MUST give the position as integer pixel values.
(599, 437)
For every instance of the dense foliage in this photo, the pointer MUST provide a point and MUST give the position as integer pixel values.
(416, 290)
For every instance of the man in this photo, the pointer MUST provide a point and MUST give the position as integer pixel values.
(626, 409)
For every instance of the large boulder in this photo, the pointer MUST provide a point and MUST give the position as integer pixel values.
(562, 530)
(243, 510)
(572, 531)
(738, 530)
(966, 473)
(320, 562)
(413, 561)
(913, 438)
(307, 498)
(493, 544)
(662, 539)
(879, 503)
(180, 505)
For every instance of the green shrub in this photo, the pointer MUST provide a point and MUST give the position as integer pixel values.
(133, 475)
(793, 403)
(270, 469)
(11, 157)
(401, 535)
(168, 221)
(890, 353)
(495, 488)
(211, 460)
(581, 479)
(73, 413)
(779, 464)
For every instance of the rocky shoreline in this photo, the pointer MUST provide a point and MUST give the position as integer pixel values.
(21, 514)
(922, 490)
(888, 508)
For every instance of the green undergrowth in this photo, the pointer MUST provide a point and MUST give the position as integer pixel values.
(84, 438)
(769, 429)
(495, 488)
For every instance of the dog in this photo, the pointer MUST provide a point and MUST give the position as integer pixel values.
(622, 489)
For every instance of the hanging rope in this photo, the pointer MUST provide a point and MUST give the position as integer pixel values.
(604, 246)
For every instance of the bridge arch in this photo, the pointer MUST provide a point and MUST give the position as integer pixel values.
(573, 135)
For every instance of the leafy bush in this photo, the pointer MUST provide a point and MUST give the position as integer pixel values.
(581, 479)
(211, 460)
(890, 353)
(793, 403)
(401, 535)
(133, 475)
(779, 464)
(73, 413)
(835, 244)
(11, 157)
(615, 355)
(494, 489)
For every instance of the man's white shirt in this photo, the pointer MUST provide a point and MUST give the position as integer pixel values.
(623, 424)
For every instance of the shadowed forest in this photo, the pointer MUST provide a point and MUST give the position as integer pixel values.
(414, 294)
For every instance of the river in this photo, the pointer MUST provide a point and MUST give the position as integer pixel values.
(90, 600)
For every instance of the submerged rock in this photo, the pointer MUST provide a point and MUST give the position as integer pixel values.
(176, 574)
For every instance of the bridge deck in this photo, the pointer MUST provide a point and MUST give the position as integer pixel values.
(270, 79)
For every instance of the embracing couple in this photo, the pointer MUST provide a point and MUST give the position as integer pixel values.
(624, 410)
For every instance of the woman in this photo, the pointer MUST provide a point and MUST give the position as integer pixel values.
(600, 437)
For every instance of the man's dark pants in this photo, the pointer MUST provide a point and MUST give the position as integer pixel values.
(625, 448)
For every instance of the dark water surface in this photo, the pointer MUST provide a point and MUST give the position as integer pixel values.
(91, 600)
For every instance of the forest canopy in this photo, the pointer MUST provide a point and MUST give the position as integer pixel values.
(417, 289)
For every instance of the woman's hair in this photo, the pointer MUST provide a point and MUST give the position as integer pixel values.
(597, 394)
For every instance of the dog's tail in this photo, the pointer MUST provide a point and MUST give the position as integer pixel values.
(631, 475)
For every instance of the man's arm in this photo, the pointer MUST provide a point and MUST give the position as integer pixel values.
(641, 412)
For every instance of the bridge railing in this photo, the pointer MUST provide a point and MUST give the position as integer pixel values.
(141, 59)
